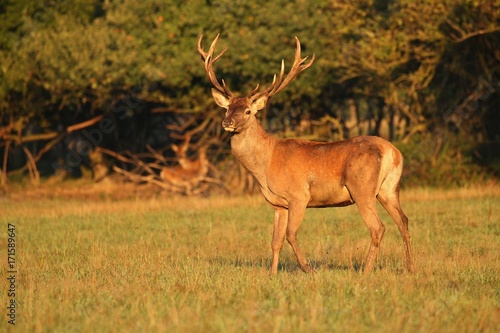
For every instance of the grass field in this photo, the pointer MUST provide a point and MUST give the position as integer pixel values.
(201, 265)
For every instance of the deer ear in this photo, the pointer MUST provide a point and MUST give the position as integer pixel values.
(220, 99)
(260, 103)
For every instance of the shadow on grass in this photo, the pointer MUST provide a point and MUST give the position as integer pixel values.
(287, 264)
(355, 266)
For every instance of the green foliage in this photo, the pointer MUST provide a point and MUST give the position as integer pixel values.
(72, 62)
(441, 159)
(63, 60)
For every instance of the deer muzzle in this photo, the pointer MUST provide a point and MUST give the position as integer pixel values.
(228, 125)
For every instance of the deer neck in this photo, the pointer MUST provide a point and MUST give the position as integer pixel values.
(253, 148)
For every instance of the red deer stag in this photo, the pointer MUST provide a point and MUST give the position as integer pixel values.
(295, 174)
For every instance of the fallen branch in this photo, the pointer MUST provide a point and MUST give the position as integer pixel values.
(56, 136)
(145, 179)
(34, 174)
(114, 154)
(82, 125)
(47, 136)
(3, 177)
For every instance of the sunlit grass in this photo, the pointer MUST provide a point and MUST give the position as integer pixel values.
(201, 265)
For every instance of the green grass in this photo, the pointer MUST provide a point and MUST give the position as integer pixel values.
(201, 265)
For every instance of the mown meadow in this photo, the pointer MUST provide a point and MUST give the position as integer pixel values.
(202, 265)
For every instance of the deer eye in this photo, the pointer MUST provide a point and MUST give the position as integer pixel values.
(247, 111)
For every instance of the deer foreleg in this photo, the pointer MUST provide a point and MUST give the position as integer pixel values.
(296, 213)
(279, 232)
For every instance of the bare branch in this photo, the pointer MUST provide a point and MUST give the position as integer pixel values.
(147, 179)
(82, 125)
(35, 175)
(463, 35)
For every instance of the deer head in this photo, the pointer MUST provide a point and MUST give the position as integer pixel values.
(240, 111)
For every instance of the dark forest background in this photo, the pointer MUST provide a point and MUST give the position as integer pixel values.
(103, 88)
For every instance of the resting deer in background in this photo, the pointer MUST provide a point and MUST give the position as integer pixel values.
(190, 172)
(295, 174)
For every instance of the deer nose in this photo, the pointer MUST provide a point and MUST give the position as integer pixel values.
(228, 122)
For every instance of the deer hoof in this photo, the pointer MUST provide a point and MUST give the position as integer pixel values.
(308, 269)
(412, 269)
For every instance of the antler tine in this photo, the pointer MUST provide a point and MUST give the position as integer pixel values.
(298, 66)
(254, 91)
(209, 59)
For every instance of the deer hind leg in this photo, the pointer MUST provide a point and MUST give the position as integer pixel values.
(368, 210)
(296, 213)
(390, 201)
(279, 232)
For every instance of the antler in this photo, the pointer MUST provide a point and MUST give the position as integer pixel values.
(279, 83)
(209, 59)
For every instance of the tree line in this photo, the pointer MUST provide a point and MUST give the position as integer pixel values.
(124, 76)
